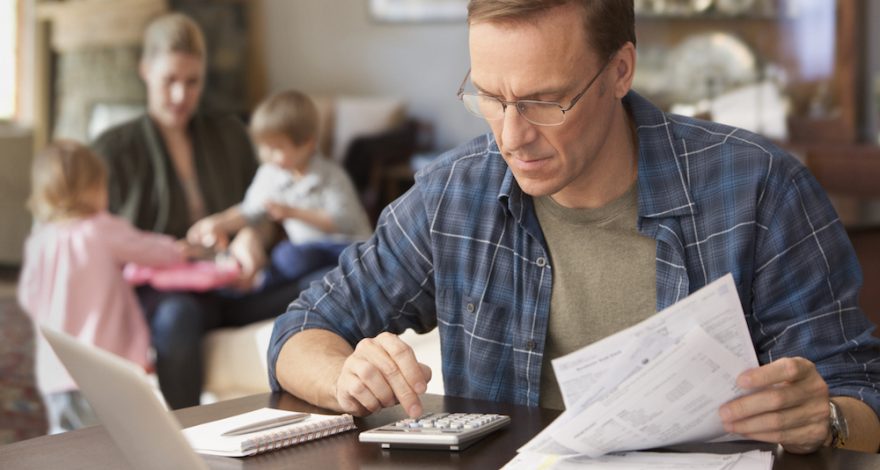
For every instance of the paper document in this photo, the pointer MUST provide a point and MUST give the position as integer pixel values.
(657, 383)
(753, 460)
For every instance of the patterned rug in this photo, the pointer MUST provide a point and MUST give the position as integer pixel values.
(21, 409)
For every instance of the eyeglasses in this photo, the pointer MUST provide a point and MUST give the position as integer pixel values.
(539, 113)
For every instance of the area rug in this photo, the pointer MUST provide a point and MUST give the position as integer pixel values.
(21, 409)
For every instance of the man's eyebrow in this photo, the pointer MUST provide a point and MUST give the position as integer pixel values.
(554, 92)
(481, 89)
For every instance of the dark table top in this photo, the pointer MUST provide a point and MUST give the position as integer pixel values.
(92, 448)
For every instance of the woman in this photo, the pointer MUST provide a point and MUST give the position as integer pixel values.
(168, 169)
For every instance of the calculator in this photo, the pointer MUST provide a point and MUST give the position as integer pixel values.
(446, 431)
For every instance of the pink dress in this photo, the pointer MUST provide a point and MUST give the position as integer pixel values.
(72, 281)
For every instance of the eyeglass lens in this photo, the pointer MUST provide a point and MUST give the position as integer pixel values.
(536, 112)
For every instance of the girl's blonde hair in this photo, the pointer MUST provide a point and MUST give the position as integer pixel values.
(174, 32)
(64, 178)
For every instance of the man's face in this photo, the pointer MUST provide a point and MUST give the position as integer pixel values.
(174, 85)
(549, 60)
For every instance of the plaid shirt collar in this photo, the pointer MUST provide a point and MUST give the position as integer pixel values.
(663, 189)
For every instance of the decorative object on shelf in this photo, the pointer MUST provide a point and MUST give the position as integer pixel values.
(702, 66)
(672, 7)
(734, 7)
(761, 107)
(806, 56)
(700, 6)
(716, 9)
(418, 10)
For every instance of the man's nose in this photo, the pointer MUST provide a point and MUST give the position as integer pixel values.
(516, 131)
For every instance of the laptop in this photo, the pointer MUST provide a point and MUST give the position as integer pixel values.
(147, 434)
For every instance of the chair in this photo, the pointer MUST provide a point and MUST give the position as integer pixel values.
(371, 159)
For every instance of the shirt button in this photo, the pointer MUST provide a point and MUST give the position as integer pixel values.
(541, 262)
(530, 344)
(470, 308)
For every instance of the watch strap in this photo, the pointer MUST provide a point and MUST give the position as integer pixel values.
(838, 425)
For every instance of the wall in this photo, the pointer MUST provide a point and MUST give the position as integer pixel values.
(16, 147)
(333, 46)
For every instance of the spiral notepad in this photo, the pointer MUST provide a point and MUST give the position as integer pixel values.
(208, 439)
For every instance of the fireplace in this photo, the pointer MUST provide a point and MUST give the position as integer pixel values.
(92, 72)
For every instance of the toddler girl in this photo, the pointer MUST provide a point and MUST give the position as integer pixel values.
(72, 280)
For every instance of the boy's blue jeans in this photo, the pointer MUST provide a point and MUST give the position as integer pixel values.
(179, 320)
(290, 262)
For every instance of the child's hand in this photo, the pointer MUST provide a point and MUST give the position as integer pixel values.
(278, 212)
(195, 251)
(247, 250)
(208, 232)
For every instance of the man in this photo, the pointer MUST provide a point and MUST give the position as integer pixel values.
(586, 209)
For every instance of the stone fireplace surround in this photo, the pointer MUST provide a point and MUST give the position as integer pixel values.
(95, 47)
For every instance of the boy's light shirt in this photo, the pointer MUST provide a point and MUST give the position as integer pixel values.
(323, 186)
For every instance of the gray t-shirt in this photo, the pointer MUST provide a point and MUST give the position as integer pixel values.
(324, 186)
(603, 277)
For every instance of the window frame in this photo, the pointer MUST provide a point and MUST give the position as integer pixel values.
(15, 115)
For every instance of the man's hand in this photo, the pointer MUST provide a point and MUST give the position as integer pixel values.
(382, 372)
(789, 406)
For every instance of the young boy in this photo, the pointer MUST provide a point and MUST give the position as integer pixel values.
(311, 196)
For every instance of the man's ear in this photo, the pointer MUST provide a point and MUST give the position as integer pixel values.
(624, 66)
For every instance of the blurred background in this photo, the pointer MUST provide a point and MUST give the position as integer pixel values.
(806, 73)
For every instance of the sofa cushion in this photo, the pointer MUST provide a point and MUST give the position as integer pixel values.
(235, 360)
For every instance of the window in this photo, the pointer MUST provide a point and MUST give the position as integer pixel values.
(8, 58)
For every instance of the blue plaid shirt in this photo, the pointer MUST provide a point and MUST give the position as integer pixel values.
(462, 251)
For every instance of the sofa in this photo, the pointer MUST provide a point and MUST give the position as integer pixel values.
(235, 358)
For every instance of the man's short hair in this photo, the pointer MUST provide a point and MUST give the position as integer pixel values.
(173, 32)
(609, 23)
(290, 113)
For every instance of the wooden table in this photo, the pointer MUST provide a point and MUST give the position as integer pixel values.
(91, 448)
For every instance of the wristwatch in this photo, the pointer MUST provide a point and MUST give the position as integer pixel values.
(839, 428)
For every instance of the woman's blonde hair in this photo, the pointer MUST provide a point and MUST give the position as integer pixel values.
(290, 113)
(64, 177)
(173, 32)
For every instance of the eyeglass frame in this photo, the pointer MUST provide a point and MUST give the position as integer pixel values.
(505, 103)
